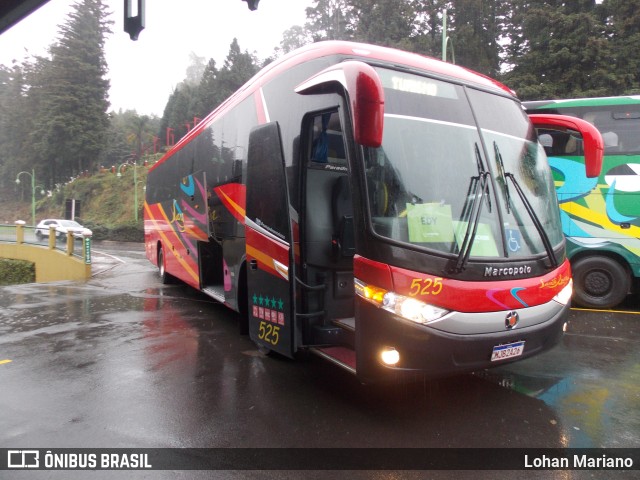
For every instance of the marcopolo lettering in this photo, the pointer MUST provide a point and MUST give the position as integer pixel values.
(507, 271)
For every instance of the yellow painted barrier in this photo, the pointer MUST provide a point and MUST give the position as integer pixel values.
(51, 264)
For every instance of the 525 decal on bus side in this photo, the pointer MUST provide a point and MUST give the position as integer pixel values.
(426, 286)
(269, 333)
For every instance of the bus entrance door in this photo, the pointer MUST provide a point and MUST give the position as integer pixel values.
(268, 239)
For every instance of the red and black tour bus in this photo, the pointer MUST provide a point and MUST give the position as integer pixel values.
(390, 212)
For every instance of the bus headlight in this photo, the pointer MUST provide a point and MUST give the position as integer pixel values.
(405, 307)
(564, 296)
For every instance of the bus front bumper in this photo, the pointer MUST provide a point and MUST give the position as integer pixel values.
(432, 352)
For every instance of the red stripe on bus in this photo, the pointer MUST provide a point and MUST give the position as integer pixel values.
(265, 250)
(464, 296)
(233, 196)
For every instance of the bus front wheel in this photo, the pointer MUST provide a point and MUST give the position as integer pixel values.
(599, 282)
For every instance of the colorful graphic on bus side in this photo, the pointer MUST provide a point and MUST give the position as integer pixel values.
(600, 216)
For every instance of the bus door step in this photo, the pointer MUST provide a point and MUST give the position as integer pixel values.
(346, 323)
(343, 357)
(215, 291)
(332, 335)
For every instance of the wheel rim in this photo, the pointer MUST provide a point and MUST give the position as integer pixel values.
(598, 283)
(161, 262)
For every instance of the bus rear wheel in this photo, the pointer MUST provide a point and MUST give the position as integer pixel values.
(599, 282)
(162, 268)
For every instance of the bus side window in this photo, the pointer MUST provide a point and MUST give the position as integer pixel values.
(558, 144)
(327, 146)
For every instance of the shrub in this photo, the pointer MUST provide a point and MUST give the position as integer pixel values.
(127, 233)
(13, 272)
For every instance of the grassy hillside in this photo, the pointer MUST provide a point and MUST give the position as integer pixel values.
(106, 204)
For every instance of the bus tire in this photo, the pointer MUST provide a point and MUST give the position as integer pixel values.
(162, 268)
(599, 282)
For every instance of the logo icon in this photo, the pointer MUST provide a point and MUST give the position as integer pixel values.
(23, 458)
(511, 320)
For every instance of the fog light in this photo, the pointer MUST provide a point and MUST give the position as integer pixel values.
(390, 356)
(564, 327)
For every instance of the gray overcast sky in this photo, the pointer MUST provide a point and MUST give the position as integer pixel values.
(143, 73)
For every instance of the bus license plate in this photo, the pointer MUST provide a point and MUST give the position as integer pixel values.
(510, 350)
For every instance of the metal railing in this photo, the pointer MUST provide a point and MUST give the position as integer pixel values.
(73, 245)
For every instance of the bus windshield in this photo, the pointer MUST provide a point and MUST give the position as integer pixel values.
(455, 164)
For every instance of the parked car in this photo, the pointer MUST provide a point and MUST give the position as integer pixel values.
(62, 227)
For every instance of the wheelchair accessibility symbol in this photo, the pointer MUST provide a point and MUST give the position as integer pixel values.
(513, 240)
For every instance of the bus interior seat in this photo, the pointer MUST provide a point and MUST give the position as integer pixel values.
(571, 147)
(610, 141)
(546, 141)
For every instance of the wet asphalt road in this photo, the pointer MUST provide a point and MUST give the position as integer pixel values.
(124, 361)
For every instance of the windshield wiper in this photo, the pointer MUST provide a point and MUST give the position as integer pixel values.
(530, 211)
(478, 190)
(502, 178)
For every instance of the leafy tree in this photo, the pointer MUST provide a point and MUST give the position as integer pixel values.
(195, 69)
(292, 38)
(130, 136)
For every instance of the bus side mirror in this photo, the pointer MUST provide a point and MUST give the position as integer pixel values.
(364, 93)
(593, 143)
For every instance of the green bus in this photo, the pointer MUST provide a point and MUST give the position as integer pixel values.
(600, 216)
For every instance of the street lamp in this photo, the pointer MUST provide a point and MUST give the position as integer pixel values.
(33, 192)
(446, 39)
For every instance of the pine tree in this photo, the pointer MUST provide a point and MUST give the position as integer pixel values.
(238, 67)
(71, 130)
(624, 24)
(559, 50)
(330, 20)
(14, 124)
(476, 27)
(390, 23)
(208, 95)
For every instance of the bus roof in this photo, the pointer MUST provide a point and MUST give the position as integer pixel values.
(583, 102)
(364, 51)
(352, 51)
